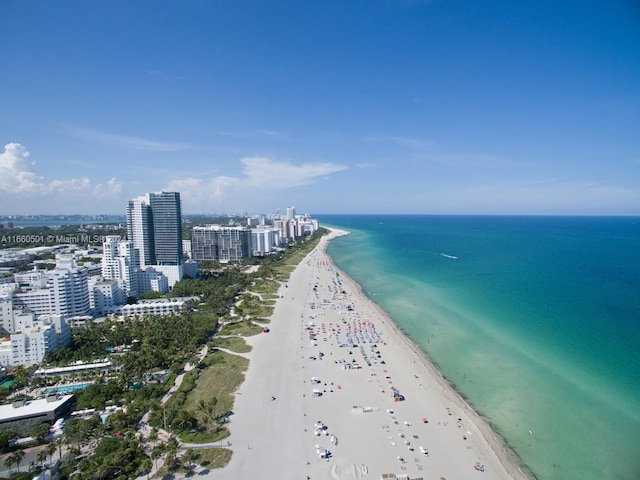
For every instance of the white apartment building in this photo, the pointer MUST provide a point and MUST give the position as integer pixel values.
(156, 307)
(61, 291)
(153, 280)
(172, 273)
(264, 239)
(6, 307)
(31, 339)
(105, 293)
(120, 262)
(69, 291)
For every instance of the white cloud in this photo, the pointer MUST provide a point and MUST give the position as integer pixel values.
(126, 141)
(69, 186)
(259, 173)
(15, 170)
(270, 174)
(20, 183)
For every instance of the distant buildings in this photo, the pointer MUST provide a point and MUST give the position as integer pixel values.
(260, 237)
(218, 243)
(37, 306)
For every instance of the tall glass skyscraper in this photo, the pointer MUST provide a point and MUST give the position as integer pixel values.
(140, 230)
(154, 224)
(167, 227)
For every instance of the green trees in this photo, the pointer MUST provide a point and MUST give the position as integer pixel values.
(20, 376)
(171, 453)
(15, 458)
(80, 432)
(187, 460)
(40, 431)
(146, 466)
(41, 457)
(115, 457)
(156, 453)
(5, 436)
(50, 449)
(183, 420)
(209, 413)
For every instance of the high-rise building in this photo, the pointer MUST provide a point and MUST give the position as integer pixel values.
(154, 226)
(222, 244)
(167, 227)
(61, 291)
(120, 262)
(140, 229)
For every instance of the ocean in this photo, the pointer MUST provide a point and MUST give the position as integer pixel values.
(534, 320)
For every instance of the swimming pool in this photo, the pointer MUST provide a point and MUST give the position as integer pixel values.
(66, 388)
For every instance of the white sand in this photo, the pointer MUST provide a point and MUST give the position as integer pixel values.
(275, 439)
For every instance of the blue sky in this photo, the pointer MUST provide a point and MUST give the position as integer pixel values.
(334, 106)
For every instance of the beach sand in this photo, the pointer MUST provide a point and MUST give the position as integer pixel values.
(280, 426)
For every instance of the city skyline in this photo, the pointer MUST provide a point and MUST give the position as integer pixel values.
(428, 107)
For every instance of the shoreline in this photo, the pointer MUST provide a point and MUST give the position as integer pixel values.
(508, 457)
(272, 430)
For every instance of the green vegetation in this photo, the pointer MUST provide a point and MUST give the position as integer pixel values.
(230, 304)
(245, 328)
(234, 344)
(251, 305)
(223, 374)
(212, 457)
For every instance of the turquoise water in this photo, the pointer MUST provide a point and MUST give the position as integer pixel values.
(535, 320)
(66, 388)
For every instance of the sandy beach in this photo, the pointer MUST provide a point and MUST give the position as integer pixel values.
(334, 391)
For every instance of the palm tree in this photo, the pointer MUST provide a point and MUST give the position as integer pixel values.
(187, 459)
(60, 443)
(8, 462)
(208, 410)
(153, 435)
(146, 466)
(51, 448)
(183, 420)
(42, 456)
(157, 453)
(170, 459)
(18, 455)
(172, 452)
(20, 375)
